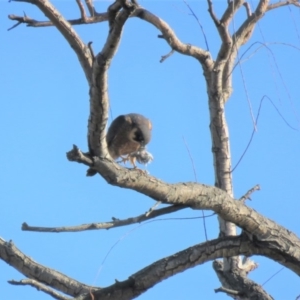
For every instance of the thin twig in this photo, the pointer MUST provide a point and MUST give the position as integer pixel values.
(227, 291)
(82, 10)
(164, 57)
(294, 22)
(21, 20)
(283, 3)
(40, 287)
(91, 8)
(244, 83)
(135, 228)
(248, 194)
(91, 49)
(272, 276)
(248, 9)
(253, 132)
(106, 225)
(33, 270)
(283, 82)
(97, 18)
(157, 203)
(198, 21)
(212, 13)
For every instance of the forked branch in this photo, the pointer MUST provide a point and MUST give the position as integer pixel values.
(40, 287)
(137, 283)
(31, 269)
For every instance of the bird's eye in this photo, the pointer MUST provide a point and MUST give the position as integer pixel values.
(138, 137)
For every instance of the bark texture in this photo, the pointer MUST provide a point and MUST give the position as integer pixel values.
(261, 236)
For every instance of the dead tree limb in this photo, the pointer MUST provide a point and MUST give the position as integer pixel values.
(106, 225)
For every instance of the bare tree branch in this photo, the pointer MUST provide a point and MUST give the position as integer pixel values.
(283, 3)
(260, 235)
(248, 194)
(212, 13)
(164, 57)
(152, 274)
(229, 13)
(82, 10)
(99, 101)
(234, 284)
(162, 269)
(101, 17)
(171, 38)
(199, 196)
(227, 291)
(40, 287)
(91, 8)
(198, 21)
(248, 9)
(28, 267)
(106, 225)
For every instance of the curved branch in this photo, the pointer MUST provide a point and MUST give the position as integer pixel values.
(40, 287)
(144, 279)
(222, 27)
(243, 287)
(99, 101)
(106, 225)
(31, 269)
(232, 8)
(164, 268)
(169, 35)
(152, 274)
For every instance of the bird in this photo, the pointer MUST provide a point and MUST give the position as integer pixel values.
(127, 137)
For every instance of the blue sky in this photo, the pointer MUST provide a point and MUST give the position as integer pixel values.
(44, 111)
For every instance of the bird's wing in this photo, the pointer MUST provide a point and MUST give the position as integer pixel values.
(116, 127)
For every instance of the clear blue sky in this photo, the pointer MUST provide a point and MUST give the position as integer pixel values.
(44, 111)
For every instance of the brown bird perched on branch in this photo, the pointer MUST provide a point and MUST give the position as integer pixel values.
(128, 135)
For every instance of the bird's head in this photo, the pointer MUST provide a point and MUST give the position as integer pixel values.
(141, 129)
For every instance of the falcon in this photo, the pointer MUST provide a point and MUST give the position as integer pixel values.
(127, 138)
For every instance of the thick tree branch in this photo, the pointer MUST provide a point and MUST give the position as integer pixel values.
(106, 225)
(139, 282)
(40, 287)
(245, 288)
(31, 269)
(152, 274)
(198, 196)
(99, 101)
(146, 278)
(68, 32)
